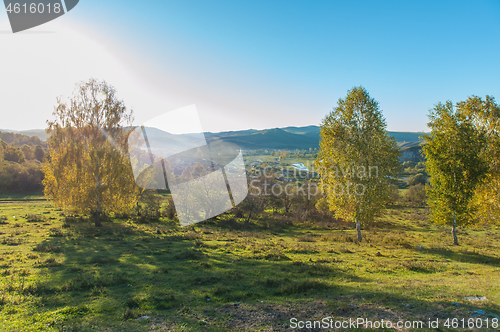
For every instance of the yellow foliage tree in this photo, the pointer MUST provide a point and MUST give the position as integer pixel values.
(454, 151)
(357, 158)
(88, 170)
(486, 118)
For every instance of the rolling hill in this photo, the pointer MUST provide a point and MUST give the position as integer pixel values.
(291, 138)
(40, 133)
(287, 138)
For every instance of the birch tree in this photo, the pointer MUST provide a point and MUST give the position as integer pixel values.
(454, 151)
(357, 159)
(485, 114)
(88, 169)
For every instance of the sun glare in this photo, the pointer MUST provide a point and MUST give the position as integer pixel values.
(42, 65)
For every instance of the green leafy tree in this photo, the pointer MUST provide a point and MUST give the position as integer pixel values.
(486, 117)
(416, 179)
(455, 162)
(87, 169)
(415, 196)
(39, 153)
(26, 177)
(2, 143)
(393, 195)
(28, 151)
(14, 154)
(357, 158)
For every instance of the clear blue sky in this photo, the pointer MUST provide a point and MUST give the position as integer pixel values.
(263, 64)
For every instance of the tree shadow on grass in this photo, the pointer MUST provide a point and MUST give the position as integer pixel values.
(112, 275)
(464, 256)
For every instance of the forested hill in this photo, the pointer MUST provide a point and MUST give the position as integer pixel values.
(21, 160)
(18, 139)
(268, 139)
(287, 138)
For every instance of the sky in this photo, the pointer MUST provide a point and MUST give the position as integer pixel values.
(254, 64)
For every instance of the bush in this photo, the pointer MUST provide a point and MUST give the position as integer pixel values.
(35, 218)
(418, 178)
(415, 196)
(393, 195)
(170, 211)
(25, 177)
(409, 164)
(14, 154)
(11, 241)
(56, 232)
(46, 247)
(149, 207)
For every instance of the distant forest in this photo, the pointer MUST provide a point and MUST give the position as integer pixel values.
(21, 160)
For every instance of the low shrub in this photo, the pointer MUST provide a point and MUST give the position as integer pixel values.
(35, 218)
(47, 247)
(416, 196)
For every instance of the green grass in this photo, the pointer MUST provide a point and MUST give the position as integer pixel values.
(66, 275)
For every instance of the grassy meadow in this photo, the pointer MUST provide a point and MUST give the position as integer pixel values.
(60, 273)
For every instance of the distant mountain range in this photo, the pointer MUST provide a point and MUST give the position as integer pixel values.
(287, 138)
(291, 138)
(40, 133)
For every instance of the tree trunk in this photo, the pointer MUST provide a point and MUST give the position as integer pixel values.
(97, 216)
(97, 219)
(358, 229)
(454, 231)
